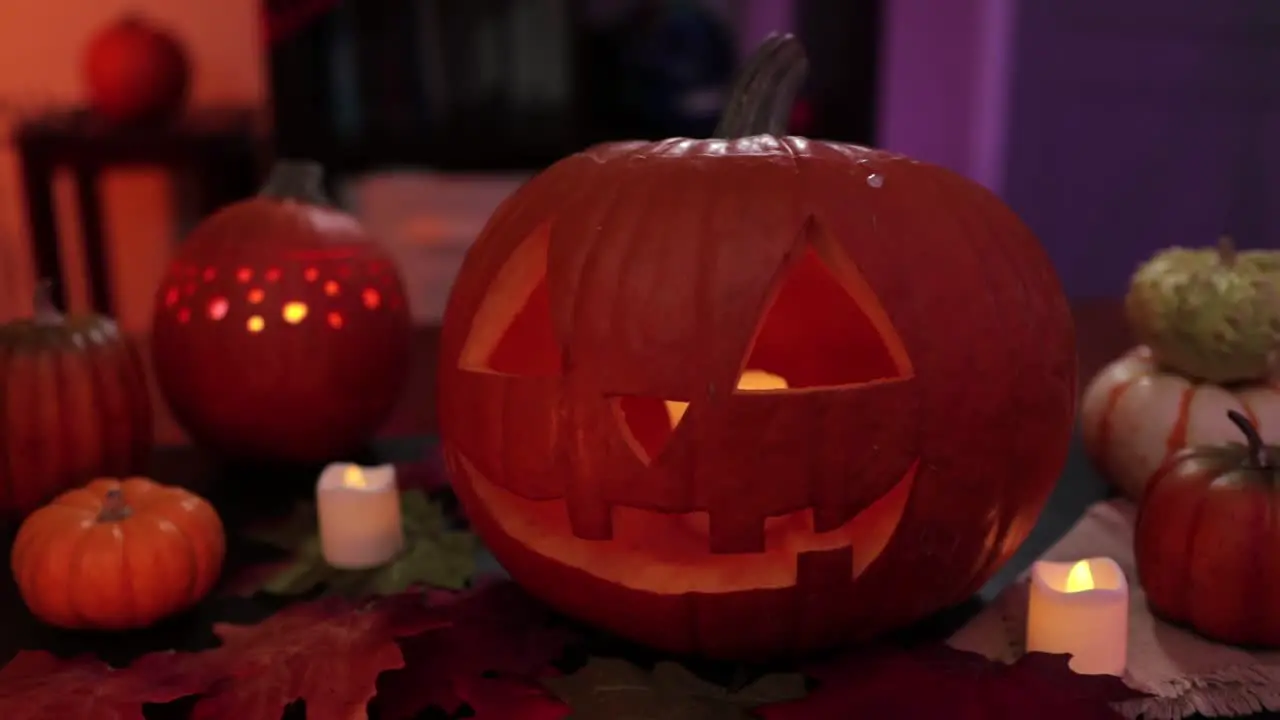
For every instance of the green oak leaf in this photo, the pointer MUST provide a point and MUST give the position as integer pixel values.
(614, 689)
(435, 554)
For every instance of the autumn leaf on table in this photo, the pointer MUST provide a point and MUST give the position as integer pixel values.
(36, 685)
(505, 698)
(937, 681)
(435, 555)
(610, 688)
(328, 653)
(495, 628)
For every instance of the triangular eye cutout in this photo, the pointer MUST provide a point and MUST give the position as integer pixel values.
(824, 328)
(511, 333)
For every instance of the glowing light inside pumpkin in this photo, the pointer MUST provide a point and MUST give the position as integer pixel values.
(184, 315)
(255, 324)
(311, 274)
(335, 320)
(331, 288)
(273, 275)
(218, 308)
(353, 477)
(750, 380)
(171, 297)
(1080, 578)
(294, 312)
(371, 298)
(209, 274)
(256, 295)
(244, 275)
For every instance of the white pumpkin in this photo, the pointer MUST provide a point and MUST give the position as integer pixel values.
(1135, 415)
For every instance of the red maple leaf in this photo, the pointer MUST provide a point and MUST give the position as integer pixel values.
(328, 653)
(938, 681)
(36, 685)
(496, 628)
(506, 698)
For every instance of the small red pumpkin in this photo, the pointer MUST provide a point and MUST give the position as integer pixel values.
(281, 330)
(74, 405)
(117, 555)
(1207, 543)
(136, 71)
(754, 395)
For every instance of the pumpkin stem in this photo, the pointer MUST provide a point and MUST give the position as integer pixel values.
(1227, 250)
(765, 90)
(114, 508)
(297, 180)
(1258, 456)
(43, 310)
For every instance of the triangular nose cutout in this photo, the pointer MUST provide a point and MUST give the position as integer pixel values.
(824, 328)
(512, 333)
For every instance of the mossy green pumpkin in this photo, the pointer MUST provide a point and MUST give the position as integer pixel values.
(1212, 314)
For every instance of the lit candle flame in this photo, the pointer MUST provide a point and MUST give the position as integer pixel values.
(1080, 578)
(353, 477)
(750, 380)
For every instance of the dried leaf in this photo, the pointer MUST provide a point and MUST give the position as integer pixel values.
(504, 698)
(327, 653)
(496, 628)
(36, 685)
(608, 689)
(938, 681)
(435, 555)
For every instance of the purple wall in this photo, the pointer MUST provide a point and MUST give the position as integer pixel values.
(944, 83)
(1114, 127)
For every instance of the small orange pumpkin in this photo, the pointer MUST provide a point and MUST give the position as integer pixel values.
(117, 555)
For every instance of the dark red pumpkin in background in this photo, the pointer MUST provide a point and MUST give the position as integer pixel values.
(754, 395)
(1206, 540)
(74, 405)
(135, 71)
(281, 330)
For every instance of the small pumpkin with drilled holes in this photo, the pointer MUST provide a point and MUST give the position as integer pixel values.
(138, 552)
(77, 403)
(281, 331)
(1206, 540)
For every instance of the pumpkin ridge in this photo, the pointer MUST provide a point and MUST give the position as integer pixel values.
(1182, 425)
(75, 571)
(8, 488)
(1012, 495)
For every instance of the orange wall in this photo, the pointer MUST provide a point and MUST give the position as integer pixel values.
(40, 46)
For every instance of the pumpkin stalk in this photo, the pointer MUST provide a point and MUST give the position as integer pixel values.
(765, 90)
(297, 180)
(43, 310)
(1258, 456)
(1227, 250)
(114, 507)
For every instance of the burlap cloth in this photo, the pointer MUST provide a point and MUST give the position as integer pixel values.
(1184, 673)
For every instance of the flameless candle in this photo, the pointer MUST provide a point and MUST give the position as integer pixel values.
(1080, 608)
(358, 512)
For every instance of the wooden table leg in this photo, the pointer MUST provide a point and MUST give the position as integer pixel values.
(95, 242)
(42, 219)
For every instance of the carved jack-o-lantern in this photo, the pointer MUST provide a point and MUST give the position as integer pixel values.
(755, 395)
